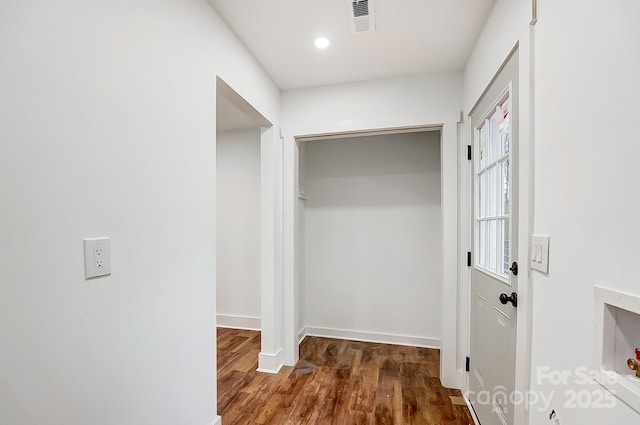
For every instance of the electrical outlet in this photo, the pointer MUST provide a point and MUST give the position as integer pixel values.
(97, 257)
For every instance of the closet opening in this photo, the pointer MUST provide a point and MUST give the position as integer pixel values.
(369, 247)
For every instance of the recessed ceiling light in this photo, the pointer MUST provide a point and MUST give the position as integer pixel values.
(322, 42)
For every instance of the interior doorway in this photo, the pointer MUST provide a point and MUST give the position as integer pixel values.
(239, 128)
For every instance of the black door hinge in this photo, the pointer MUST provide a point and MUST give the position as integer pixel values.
(467, 367)
(468, 258)
(469, 152)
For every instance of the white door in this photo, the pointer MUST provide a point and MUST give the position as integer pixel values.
(494, 282)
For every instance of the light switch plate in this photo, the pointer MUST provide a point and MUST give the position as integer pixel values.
(97, 257)
(540, 253)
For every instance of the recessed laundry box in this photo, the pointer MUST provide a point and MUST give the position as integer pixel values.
(617, 354)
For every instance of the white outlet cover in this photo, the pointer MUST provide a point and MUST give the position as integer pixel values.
(97, 257)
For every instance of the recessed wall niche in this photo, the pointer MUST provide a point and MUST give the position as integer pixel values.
(617, 337)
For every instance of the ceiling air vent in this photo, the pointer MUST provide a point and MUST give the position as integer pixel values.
(360, 8)
(361, 15)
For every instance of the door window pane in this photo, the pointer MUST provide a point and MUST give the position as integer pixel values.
(480, 195)
(482, 244)
(506, 253)
(494, 148)
(482, 151)
(493, 245)
(506, 192)
(492, 189)
(504, 136)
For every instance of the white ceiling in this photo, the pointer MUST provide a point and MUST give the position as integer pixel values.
(411, 37)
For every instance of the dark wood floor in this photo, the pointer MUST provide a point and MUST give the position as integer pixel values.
(335, 382)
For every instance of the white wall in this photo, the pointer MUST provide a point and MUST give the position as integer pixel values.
(395, 102)
(583, 142)
(373, 237)
(108, 129)
(238, 228)
(586, 113)
(507, 25)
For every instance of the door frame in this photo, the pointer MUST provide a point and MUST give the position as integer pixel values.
(451, 370)
(525, 217)
(270, 243)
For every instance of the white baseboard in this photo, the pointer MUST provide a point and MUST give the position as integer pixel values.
(472, 412)
(459, 380)
(270, 363)
(302, 334)
(217, 421)
(412, 341)
(238, 322)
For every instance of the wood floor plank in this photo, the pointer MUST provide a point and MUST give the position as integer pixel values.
(336, 382)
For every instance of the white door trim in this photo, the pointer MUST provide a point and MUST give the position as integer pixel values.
(270, 229)
(451, 369)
